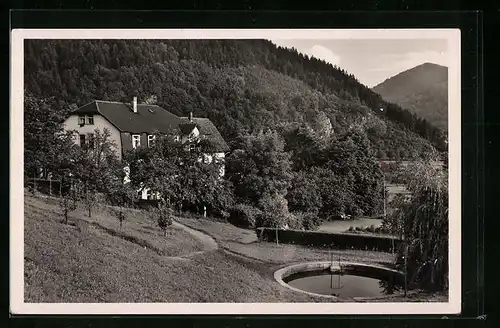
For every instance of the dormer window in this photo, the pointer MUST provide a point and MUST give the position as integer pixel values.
(86, 120)
(136, 141)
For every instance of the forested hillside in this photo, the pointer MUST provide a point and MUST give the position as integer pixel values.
(241, 85)
(423, 90)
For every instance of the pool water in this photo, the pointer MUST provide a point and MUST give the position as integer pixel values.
(343, 286)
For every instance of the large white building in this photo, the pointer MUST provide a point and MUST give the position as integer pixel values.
(132, 125)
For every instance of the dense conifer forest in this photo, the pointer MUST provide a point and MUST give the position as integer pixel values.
(241, 85)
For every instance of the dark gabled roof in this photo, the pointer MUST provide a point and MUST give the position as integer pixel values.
(151, 118)
(148, 119)
(208, 129)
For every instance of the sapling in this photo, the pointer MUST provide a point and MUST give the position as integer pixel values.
(68, 203)
(164, 217)
(121, 216)
(89, 200)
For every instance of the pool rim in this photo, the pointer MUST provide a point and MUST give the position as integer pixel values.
(283, 273)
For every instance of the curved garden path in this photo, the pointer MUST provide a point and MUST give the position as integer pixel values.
(209, 243)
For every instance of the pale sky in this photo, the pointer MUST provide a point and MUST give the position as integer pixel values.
(373, 60)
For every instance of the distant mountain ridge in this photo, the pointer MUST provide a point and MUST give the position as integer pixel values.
(423, 90)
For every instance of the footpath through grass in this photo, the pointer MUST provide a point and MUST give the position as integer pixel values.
(81, 262)
(245, 243)
(92, 260)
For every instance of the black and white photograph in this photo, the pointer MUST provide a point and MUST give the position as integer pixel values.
(235, 171)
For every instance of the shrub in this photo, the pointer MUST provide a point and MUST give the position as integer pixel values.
(295, 221)
(243, 215)
(225, 215)
(351, 228)
(371, 228)
(310, 220)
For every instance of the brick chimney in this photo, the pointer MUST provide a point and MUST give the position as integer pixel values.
(134, 105)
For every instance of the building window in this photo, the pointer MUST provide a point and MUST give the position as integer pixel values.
(86, 119)
(82, 140)
(90, 140)
(177, 138)
(151, 139)
(192, 147)
(136, 141)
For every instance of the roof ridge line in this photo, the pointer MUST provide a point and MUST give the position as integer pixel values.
(112, 102)
(97, 106)
(126, 103)
(194, 117)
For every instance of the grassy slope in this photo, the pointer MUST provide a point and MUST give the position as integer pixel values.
(84, 263)
(90, 260)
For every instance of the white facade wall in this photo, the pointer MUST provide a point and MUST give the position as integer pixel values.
(100, 123)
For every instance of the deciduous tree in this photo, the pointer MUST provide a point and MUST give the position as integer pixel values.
(424, 224)
(96, 167)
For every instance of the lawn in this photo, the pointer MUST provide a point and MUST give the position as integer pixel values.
(81, 262)
(244, 242)
(138, 228)
(93, 260)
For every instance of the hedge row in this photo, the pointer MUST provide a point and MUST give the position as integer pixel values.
(329, 240)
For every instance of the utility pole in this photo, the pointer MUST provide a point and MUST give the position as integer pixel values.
(406, 259)
(385, 215)
(384, 197)
(331, 269)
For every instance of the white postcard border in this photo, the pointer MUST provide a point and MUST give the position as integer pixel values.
(17, 305)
